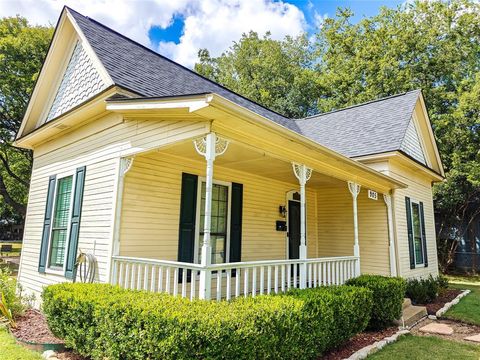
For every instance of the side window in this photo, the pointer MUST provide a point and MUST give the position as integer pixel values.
(61, 219)
(417, 242)
(61, 223)
(218, 234)
(417, 233)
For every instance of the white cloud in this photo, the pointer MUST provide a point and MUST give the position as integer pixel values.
(211, 24)
(131, 18)
(214, 24)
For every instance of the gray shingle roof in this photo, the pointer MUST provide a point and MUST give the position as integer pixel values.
(374, 127)
(370, 128)
(150, 74)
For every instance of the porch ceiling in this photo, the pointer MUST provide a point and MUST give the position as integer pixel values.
(235, 122)
(243, 158)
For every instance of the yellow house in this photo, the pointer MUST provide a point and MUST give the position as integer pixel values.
(170, 182)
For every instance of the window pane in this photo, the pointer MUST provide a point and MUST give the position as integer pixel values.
(215, 192)
(218, 249)
(61, 217)
(214, 207)
(221, 225)
(62, 203)
(59, 242)
(218, 222)
(417, 234)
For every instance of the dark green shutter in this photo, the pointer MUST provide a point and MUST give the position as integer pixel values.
(411, 247)
(188, 207)
(47, 222)
(75, 222)
(424, 238)
(236, 223)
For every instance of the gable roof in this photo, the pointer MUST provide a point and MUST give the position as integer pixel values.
(370, 128)
(375, 127)
(149, 74)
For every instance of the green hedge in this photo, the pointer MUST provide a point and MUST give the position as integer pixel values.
(425, 290)
(103, 321)
(344, 310)
(388, 294)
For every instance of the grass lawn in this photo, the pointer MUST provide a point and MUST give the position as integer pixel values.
(16, 248)
(411, 347)
(10, 350)
(468, 309)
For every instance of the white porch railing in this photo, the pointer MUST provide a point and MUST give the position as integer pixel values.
(231, 279)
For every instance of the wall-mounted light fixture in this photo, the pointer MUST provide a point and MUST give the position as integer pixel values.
(282, 209)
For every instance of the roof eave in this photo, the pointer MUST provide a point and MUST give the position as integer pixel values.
(191, 102)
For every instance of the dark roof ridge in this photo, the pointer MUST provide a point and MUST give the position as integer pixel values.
(360, 104)
(173, 62)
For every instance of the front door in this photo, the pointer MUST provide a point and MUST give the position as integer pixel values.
(293, 229)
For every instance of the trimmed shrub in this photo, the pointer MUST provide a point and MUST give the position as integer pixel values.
(103, 321)
(388, 293)
(347, 309)
(442, 282)
(425, 290)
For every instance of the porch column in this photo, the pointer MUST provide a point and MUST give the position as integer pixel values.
(393, 263)
(303, 174)
(209, 146)
(355, 190)
(124, 166)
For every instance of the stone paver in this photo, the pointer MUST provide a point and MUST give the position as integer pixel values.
(474, 338)
(437, 328)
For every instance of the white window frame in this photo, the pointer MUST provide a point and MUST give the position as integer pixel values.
(198, 240)
(422, 264)
(55, 269)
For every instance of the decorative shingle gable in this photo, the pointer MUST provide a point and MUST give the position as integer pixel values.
(411, 143)
(80, 82)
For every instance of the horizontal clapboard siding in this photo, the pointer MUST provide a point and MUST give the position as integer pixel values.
(151, 209)
(335, 228)
(419, 189)
(97, 145)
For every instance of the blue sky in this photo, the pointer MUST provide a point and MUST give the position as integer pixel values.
(179, 28)
(361, 8)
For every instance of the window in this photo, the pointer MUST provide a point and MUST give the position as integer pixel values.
(220, 214)
(61, 220)
(417, 233)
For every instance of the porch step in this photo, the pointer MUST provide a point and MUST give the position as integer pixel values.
(406, 303)
(411, 314)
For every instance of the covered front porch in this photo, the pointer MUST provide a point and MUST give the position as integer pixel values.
(290, 226)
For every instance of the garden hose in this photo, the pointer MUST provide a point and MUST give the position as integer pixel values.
(86, 266)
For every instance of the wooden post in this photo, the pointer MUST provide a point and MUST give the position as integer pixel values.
(355, 190)
(391, 241)
(205, 274)
(124, 166)
(303, 174)
(210, 146)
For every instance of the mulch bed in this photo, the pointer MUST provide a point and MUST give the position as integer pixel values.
(32, 327)
(358, 342)
(441, 300)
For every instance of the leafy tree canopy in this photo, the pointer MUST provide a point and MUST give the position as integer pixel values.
(22, 49)
(276, 74)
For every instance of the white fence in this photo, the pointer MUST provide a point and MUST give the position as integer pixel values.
(231, 279)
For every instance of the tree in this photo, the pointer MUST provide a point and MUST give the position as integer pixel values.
(22, 50)
(276, 74)
(434, 46)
